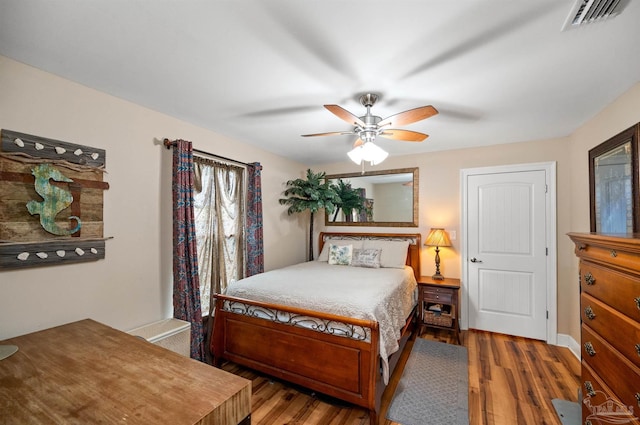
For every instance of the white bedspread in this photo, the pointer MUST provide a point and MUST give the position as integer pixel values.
(386, 295)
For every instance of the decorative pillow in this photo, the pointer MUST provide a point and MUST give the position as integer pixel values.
(366, 258)
(340, 255)
(394, 253)
(324, 255)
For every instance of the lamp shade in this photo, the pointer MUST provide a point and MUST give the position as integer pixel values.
(437, 237)
(369, 152)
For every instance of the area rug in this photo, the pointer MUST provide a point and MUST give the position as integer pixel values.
(569, 412)
(434, 387)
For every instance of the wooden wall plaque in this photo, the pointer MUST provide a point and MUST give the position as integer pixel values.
(51, 201)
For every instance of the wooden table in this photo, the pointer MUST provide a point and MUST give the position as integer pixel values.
(444, 292)
(88, 373)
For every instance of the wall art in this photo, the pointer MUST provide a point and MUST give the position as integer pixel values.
(51, 201)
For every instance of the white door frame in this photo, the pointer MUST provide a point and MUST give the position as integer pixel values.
(551, 239)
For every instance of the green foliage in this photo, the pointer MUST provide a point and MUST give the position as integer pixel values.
(312, 194)
(350, 198)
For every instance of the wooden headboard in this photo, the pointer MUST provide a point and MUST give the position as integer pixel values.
(413, 254)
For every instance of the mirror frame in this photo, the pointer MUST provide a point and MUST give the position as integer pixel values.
(632, 137)
(413, 223)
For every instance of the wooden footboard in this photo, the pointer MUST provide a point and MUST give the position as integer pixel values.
(323, 357)
(318, 359)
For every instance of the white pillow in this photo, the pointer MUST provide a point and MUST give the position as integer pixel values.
(340, 255)
(324, 255)
(369, 258)
(394, 253)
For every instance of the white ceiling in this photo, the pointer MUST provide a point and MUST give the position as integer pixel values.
(259, 71)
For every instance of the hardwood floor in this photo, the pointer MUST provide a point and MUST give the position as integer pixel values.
(512, 380)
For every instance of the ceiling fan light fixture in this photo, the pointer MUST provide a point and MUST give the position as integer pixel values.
(368, 127)
(369, 152)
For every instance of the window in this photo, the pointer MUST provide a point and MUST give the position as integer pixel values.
(220, 215)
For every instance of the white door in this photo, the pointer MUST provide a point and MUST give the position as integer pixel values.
(507, 249)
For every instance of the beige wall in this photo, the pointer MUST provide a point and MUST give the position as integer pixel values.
(440, 201)
(440, 192)
(623, 113)
(392, 202)
(620, 115)
(132, 285)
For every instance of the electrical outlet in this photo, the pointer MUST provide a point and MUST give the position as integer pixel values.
(452, 235)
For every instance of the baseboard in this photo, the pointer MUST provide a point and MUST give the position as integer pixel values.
(570, 343)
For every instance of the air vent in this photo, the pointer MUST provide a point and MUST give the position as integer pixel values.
(589, 11)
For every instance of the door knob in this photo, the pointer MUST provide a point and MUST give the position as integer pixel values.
(475, 260)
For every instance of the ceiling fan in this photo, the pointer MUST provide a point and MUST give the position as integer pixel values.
(369, 126)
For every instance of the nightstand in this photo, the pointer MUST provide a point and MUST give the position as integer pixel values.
(438, 304)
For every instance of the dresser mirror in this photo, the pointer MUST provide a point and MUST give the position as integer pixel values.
(386, 198)
(613, 184)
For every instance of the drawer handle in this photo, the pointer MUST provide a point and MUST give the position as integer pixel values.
(637, 300)
(589, 279)
(638, 398)
(613, 253)
(589, 387)
(588, 347)
(587, 422)
(582, 247)
(589, 313)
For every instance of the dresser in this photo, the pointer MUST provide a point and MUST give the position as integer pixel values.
(610, 327)
(88, 373)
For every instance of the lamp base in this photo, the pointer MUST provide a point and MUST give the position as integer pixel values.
(437, 276)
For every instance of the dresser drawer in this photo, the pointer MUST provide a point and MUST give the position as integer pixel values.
(609, 254)
(620, 290)
(598, 400)
(622, 377)
(439, 295)
(610, 326)
(620, 331)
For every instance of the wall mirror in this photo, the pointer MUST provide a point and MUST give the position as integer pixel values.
(613, 184)
(388, 198)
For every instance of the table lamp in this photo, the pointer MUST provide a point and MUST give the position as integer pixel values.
(437, 237)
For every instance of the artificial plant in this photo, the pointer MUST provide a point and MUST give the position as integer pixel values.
(350, 200)
(314, 194)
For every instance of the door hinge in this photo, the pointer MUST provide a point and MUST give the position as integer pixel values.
(546, 188)
(546, 251)
(547, 314)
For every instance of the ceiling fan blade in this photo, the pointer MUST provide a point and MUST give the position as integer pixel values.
(358, 142)
(331, 133)
(404, 135)
(410, 116)
(344, 115)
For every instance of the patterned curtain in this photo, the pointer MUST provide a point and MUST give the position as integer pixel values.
(186, 285)
(219, 206)
(255, 244)
(362, 215)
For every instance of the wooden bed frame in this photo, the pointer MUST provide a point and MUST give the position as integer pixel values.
(345, 368)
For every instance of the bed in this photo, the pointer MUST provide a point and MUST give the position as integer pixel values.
(347, 348)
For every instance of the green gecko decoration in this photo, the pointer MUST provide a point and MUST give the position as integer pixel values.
(55, 199)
